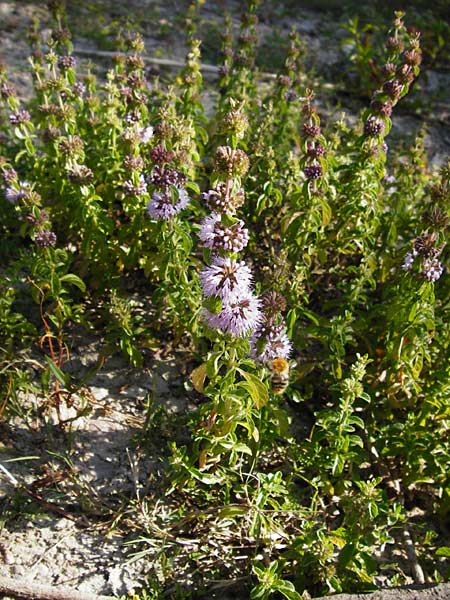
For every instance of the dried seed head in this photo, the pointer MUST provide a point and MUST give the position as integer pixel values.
(382, 108)
(235, 121)
(412, 57)
(406, 74)
(136, 82)
(159, 155)
(7, 90)
(71, 145)
(80, 174)
(388, 69)
(393, 88)
(51, 109)
(134, 62)
(51, 133)
(272, 303)
(133, 163)
(61, 35)
(224, 70)
(436, 217)
(220, 200)
(231, 162)
(249, 20)
(425, 244)
(284, 81)
(394, 44)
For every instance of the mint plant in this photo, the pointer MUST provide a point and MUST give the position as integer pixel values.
(294, 258)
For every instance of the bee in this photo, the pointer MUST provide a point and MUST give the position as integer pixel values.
(279, 375)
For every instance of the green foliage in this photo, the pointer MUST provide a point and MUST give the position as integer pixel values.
(306, 474)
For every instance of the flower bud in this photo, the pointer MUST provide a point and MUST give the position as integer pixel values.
(373, 126)
(313, 171)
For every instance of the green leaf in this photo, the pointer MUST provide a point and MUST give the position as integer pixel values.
(60, 376)
(198, 377)
(74, 280)
(346, 554)
(29, 146)
(443, 551)
(290, 321)
(232, 511)
(255, 387)
(287, 589)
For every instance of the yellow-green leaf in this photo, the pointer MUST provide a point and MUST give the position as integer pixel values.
(198, 377)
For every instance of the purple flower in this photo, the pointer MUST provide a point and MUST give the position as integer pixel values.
(269, 341)
(9, 175)
(78, 89)
(313, 171)
(162, 206)
(217, 236)
(19, 116)
(15, 194)
(432, 269)
(409, 260)
(66, 62)
(44, 238)
(145, 133)
(226, 278)
(135, 190)
(373, 126)
(238, 318)
(132, 117)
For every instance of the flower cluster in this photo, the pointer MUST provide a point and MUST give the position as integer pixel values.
(426, 252)
(131, 188)
(269, 340)
(167, 203)
(216, 234)
(227, 281)
(314, 149)
(170, 196)
(399, 71)
(17, 191)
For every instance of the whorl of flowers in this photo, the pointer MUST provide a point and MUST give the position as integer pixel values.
(223, 200)
(17, 191)
(170, 196)
(424, 256)
(399, 72)
(237, 318)
(163, 206)
(80, 174)
(227, 280)
(44, 238)
(314, 149)
(19, 116)
(269, 340)
(132, 189)
(217, 235)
